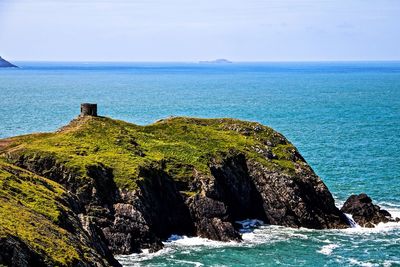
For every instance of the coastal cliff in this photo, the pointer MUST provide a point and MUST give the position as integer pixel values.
(101, 187)
(5, 64)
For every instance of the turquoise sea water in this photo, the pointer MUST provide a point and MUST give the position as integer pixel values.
(343, 117)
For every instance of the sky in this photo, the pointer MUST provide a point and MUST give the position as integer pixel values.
(192, 30)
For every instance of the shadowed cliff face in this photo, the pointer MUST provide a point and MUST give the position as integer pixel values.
(134, 186)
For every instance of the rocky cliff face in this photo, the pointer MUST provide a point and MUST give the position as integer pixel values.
(134, 186)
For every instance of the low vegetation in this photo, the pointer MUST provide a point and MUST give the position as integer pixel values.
(179, 145)
(30, 208)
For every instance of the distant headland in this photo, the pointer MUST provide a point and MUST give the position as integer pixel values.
(216, 61)
(5, 64)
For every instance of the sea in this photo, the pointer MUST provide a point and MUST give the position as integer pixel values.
(344, 117)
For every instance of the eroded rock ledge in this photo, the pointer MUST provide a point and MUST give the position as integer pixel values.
(129, 187)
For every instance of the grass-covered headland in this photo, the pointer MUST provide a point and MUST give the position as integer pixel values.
(181, 144)
(36, 212)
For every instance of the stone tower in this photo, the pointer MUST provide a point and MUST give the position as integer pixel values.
(88, 109)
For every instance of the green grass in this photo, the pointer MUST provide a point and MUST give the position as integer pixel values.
(30, 207)
(179, 144)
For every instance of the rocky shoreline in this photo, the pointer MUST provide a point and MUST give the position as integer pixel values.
(193, 177)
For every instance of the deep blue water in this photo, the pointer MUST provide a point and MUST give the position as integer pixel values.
(343, 117)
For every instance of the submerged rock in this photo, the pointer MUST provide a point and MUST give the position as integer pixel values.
(364, 212)
(134, 186)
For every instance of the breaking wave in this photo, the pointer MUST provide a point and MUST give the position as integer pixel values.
(339, 246)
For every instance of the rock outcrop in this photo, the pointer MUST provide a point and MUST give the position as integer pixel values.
(5, 64)
(364, 212)
(133, 186)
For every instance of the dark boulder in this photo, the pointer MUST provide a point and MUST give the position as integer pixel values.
(364, 212)
(212, 220)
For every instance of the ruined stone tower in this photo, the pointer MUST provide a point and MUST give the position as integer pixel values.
(88, 109)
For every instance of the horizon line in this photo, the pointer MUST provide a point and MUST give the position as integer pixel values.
(204, 61)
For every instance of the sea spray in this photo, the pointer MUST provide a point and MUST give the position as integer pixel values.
(351, 221)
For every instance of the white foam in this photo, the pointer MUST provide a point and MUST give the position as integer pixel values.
(327, 249)
(175, 240)
(351, 221)
(394, 212)
(272, 233)
(361, 263)
(393, 209)
(134, 259)
(388, 263)
(379, 228)
(194, 263)
(265, 234)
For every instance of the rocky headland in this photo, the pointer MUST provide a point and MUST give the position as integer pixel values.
(99, 187)
(5, 64)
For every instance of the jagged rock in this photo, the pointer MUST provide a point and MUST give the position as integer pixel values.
(364, 212)
(212, 220)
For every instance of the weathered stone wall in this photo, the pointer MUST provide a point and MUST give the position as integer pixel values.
(88, 109)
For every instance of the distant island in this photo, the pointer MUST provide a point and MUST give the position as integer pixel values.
(5, 64)
(216, 61)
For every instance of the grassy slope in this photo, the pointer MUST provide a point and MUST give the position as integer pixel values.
(180, 144)
(30, 207)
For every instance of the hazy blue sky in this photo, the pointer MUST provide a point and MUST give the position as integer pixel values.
(191, 30)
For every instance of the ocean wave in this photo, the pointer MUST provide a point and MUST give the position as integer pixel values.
(353, 224)
(393, 209)
(184, 244)
(188, 263)
(330, 240)
(185, 241)
(328, 249)
(133, 260)
(356, 262)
